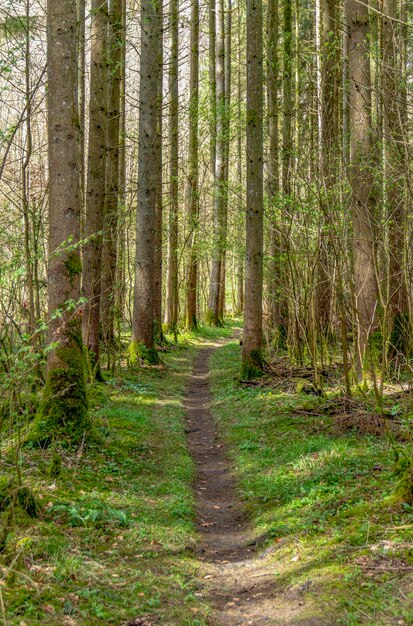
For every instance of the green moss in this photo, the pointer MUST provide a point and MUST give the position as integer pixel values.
(139, 352)
(212, 320)
(252, 365)
(73, 265)
(93, 366)
(12, 496)
(63, 412)
(55, 467)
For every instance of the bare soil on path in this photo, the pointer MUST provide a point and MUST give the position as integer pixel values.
(238, 581)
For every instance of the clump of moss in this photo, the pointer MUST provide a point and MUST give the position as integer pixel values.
(252, 365)
(12, 496)
(55, 467)
(139, 352)
(63, 413)
(73, 265)
(403, 471)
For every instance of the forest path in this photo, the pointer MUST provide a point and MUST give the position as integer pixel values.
(238, 582)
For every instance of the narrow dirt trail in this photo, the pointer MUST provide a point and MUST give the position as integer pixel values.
(239, 583)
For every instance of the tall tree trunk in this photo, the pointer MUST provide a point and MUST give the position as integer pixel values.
(192, 200)
(240, 160)
(396, 172)
(171, 308)
(109, 285)
(95, 192)
(252, 336)
(148, 181)
(329, 111)
(81, 84)
(273, 167)
(25, 182)
(157, 296)
(63, 412)
(219, 191)
(361, 176)
(227, 135)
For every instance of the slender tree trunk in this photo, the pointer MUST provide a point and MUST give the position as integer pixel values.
(252, 336)
(157, 296)
(63, 412)
(148, 181)
(25, 182)
(109, 256)
(192, 200)
(361, 176)
(95, 193)
(273, 168)
(81, 83)
(171, 309)
(329, 112)
(396, 171)
(219, 191)
(227, 135)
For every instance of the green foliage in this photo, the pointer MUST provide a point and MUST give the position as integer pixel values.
(73, 264)
(319, 499)
(115, 539)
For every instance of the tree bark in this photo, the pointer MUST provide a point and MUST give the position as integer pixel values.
(63, 412)
(361, 177)
(157, 296)
(192, 200)
(273, 167)
(252, 336)
(148, 181)
(95, 191)
(219, 179)
(396, 173)
(109, 281)
(171, 308)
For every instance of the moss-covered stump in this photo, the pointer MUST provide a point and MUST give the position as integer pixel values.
(138, 352)
(63, 412)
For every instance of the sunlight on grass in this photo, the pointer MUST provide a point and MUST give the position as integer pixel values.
(317, 499)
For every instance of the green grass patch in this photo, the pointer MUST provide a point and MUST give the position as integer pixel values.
(115, 536)
(318, 499)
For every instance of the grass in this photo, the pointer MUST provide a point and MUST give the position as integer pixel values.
(319, 501)
(115, 537)
(116, 533)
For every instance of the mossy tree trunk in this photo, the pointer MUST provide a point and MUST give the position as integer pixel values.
(114, 188)
(63, 412)
(252, 337)
(95, 191)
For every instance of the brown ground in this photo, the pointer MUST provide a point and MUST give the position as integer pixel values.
(238, 581)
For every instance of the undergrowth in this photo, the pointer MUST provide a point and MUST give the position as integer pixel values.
(322, 500)
(114, 534)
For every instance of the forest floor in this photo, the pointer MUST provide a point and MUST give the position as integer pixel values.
(210, 502)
